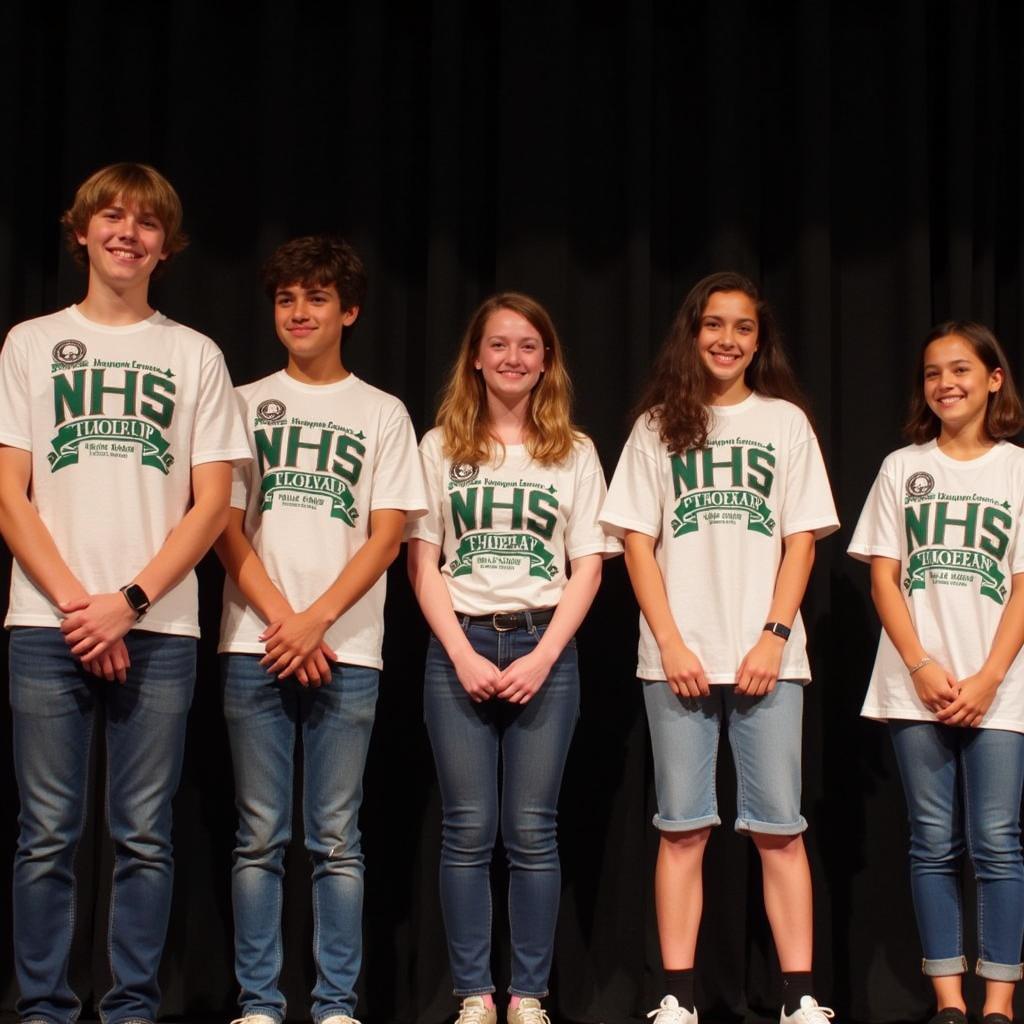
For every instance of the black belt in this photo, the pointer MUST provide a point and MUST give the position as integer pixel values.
(504, 622)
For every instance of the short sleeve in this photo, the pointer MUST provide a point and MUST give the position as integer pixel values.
(430, 527)
(15, 395)
(636, 495)
(218, 434)
(1015, 554)
(397, 473)
(807, 504)
(583, 533)
(879, 528)
(242, 472)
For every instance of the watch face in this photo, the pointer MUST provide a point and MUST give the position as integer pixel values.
(136, 597)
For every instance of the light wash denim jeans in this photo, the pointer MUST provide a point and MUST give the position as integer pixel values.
(532, 742)
(963, 790)
(765, 737)
(264, 717)
(55, 704)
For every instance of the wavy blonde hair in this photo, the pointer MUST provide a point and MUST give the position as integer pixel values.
(463, 416)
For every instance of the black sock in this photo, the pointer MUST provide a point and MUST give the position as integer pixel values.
(794, 985)
(680, 985)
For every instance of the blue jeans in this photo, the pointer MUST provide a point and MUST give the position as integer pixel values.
(55, 703)
(963, 790)
(532, 741)
(263, 718)
(765, 737)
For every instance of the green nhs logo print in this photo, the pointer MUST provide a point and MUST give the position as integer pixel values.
(723, 483)
(337, 466)
(531, 514)
(954, 548)
(118, 410)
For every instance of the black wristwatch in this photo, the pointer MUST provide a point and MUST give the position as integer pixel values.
(137, 599)
(778, 629)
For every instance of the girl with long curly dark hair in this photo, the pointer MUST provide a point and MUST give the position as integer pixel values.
(720, 495)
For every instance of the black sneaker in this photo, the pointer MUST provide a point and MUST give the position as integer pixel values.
(951, 1015)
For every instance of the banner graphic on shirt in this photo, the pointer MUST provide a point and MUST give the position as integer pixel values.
(117, 436)
(692, 506)
(515, 545)
(962, 561)
(299, 485)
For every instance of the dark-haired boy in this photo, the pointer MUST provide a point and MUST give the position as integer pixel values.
(316, 519)
(117, 431)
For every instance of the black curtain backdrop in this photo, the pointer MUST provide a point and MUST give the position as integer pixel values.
(863, 161)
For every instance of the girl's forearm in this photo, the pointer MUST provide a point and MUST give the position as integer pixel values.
(893, 610)
(649, 587)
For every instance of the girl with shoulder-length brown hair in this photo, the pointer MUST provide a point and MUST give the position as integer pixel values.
(504, 565)
(1004, 414)
(720, 494)
(941, 530)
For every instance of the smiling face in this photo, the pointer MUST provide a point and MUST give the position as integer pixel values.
(124, 245)
(309, 323)
(726, 343)
(510, 356)
(957, 384)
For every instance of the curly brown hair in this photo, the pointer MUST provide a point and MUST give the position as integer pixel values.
(1004, 417)
(317, 260)
(677, 393)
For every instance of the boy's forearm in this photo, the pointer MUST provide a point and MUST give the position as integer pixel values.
(364, 568)
(26, 535)
(194, 535)
(243, 565)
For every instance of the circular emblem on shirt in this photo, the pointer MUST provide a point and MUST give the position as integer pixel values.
(463, 472)
(69, 351)
(919, 484)
(271, 409)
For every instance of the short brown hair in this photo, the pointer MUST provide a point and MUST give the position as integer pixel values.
(317, 260)
(1005, 415)
(137, 185)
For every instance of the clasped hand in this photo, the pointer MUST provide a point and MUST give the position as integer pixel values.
(295, 646)
(954, 702)
(517, 684)
(94, 627)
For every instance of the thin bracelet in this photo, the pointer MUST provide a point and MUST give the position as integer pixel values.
(921, 664)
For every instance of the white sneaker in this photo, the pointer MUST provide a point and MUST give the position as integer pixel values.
(670, 1012)
(529, 1011)
(339, 1018)
(255, 1018)
(809, 1013)
(475, 1011)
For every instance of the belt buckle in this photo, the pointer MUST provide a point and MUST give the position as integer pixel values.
(504, 615)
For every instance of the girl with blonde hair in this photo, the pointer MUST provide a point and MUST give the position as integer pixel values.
(505, 565)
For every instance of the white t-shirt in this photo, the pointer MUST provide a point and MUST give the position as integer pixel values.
(955, 528)
(719, 515)
(115, 419)
(509, 531)
(324, 457)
